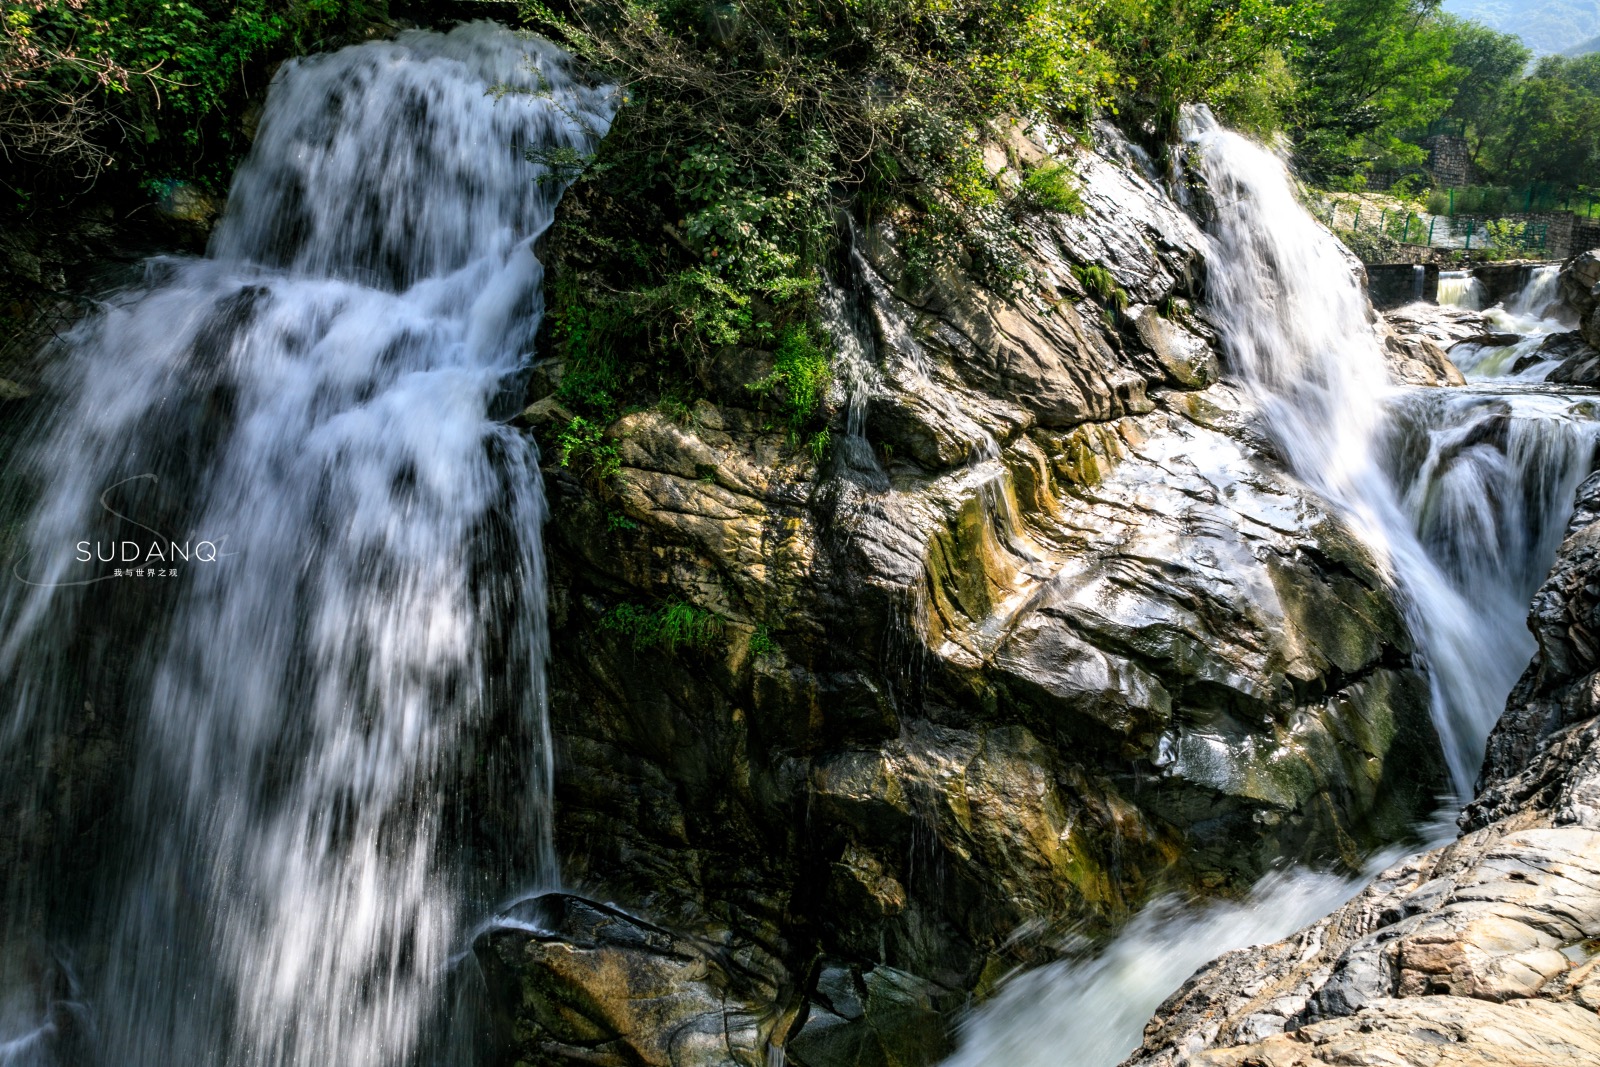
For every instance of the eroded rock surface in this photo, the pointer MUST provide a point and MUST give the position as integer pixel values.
(1580, 288)
(1484, 951)
(1579, 350)
(1419, 337)
(1053, 633)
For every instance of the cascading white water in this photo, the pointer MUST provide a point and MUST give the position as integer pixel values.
(1540, 296)
(1458, 288)
(1096, 1005)
(1284, 295)
(1462, 495)
(294, 861)
(1533, 313)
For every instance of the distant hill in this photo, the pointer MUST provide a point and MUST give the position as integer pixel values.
(1544, 25)
(1591, 45)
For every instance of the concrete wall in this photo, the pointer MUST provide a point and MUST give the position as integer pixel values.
(1392, 285)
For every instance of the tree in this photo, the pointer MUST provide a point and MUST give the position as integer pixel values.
(1551, 126)
(1490, 63)
(1372, 70)
(1225, 53)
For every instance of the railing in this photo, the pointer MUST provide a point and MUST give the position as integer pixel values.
(1464, 232)
(1498, 200)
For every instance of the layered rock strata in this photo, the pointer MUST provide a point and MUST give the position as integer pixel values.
(1049, 631)
(1484, 951)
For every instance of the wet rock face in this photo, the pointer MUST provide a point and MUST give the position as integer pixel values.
(1483, 951)
(574, 978)
(1055, 632)
(1579, 350)
(1418, 337)
(1580, 289)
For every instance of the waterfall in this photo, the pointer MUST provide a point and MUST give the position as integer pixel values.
(1458, 288)
(1540, 294)
(1284, 295)
(1462, 495)
(1533, 313)
(280, 542)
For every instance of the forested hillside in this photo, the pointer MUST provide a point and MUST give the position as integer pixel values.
(1544, 25)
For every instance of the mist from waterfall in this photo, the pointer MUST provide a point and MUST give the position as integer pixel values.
(304, 705)
(1462, 495)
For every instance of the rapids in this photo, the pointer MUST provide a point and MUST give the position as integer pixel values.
(1462, 494)
(1533, 314)
(284, 869)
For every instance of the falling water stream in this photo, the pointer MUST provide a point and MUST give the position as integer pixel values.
(1462, 494)
(1531, 315)
(285, 564)
(280, 541)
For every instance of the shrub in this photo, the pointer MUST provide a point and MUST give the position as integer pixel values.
(1049, 187)
(582, 446)
(669, 627)
(712, 205)
(144, 87)
(800, 369)
(1101, 285)
(820, 445)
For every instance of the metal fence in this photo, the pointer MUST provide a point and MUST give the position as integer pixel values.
(1506, 233)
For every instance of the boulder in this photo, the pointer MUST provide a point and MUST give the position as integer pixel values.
(1580, 361)
(1418, 337)
(1580, 289)
(1483, 951)
(573, 979)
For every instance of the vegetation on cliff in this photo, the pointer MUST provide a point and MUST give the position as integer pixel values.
(749, 132)
(143, 89)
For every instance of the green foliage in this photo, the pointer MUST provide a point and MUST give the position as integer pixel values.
(761, 643)
(1490, 65)
(139, 87)
(1101, 285)
(585, 336)
(1049, 187)
(1370, 246)
(1226, 53)
(800, 373)
(583, 446)
(1549, 124)
(1413, 187)
(668, 627)
(1370, 71)
(820, 445)
(561, 164)
(711, 207)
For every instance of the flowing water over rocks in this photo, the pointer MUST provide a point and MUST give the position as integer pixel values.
(1105, 597)
(1056, 632)
(275, 657)
(1464, 493)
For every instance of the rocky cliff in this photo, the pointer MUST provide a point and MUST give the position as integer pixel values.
(1580, 349)
(1484, 951)
(1049, 630)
